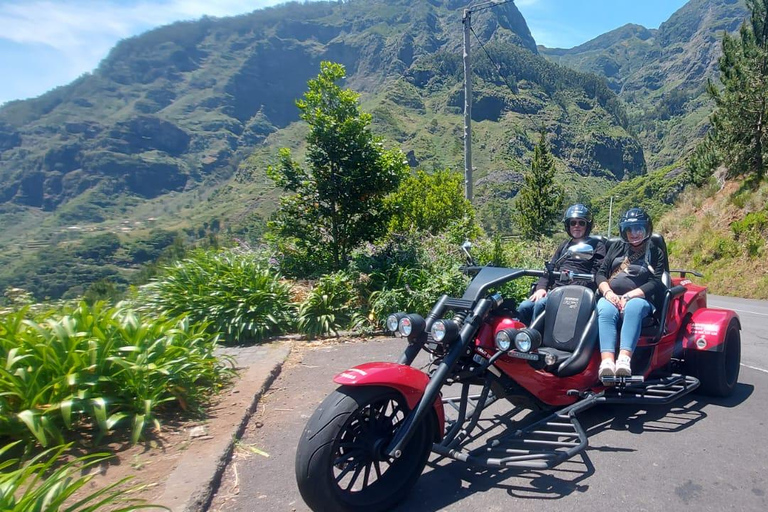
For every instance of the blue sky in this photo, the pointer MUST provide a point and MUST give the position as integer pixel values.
(47, 43)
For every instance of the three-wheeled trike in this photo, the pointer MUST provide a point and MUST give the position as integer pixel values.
(369, 440)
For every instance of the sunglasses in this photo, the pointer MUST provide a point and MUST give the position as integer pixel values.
(574, 223)
(636, 230)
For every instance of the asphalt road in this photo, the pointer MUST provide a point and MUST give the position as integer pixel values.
(697, 454)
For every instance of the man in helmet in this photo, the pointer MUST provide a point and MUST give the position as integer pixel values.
(629, 280)
(577, 221)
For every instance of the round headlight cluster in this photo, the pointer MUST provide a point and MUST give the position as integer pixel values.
(523, 340)
(444, 330)
(406, 325)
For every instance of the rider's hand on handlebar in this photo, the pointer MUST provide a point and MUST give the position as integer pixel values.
(538, 295)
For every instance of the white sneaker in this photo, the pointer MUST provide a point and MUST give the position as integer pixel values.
(607, 369)
(623, 366)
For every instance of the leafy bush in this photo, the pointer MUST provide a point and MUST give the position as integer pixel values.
(753, 221)
(715, 248)
(429, 203)
(236, 294)
(94, 367)
(329, 307)
(44, 484)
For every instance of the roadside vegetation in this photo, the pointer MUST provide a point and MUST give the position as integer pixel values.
(355, 237)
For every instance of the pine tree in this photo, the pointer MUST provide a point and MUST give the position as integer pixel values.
(739, 134)
(540, 199)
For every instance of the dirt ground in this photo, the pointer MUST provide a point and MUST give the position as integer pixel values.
(150, 463)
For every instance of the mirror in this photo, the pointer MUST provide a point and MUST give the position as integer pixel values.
(466, 246)
(580, 251)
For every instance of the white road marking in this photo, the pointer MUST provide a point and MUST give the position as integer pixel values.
(748, 312)
(753, 368)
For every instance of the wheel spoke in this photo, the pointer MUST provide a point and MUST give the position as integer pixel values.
(346, 457)
(366, 475)
(344, 472)
(377, 467)
(354, 478)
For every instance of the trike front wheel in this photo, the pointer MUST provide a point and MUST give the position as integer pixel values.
(340, 461)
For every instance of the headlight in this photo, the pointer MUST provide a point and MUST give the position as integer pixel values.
(523, 342)
(504, 339)
(411, 326)
(393, 321)
(444, 330)
(527, 340)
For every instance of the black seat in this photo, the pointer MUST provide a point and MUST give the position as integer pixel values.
(652, 326)
(569, 329)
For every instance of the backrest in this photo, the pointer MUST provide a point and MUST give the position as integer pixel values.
(658, 240)
(568, 311)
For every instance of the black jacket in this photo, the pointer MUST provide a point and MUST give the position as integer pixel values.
(656, 262)
(578, 266)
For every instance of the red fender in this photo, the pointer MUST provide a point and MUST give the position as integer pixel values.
(410, 382)
(707, 328)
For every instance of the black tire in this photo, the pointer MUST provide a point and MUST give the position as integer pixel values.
(336, 464)
(718, 372)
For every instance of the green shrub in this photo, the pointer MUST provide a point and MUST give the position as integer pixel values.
(329, 307)
(236, 294)
(752, 222)
(715, 248)
(95, 367)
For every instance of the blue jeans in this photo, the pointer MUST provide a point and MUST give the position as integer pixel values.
(528, 310)
(608, 320)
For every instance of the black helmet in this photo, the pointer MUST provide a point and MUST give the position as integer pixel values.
(635, 218)
(577, 211)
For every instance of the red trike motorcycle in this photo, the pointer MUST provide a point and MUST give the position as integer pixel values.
(367, 443)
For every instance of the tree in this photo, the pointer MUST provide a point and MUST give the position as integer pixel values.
(337, 202)
(739, 134)
(429, 202)
(539, 200)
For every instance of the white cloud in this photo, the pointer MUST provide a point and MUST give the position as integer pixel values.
(65, 25)
(81, 33)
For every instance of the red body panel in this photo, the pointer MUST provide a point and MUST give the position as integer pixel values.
(545, 386)
(409, 381)
(707, 328)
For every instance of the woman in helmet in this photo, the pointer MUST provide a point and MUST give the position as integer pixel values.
(629, 280)
(577, 221)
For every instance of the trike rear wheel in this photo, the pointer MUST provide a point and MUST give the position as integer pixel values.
(718, 372)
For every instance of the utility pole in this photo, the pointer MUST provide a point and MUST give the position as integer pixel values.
(610, 217)
(467, 21)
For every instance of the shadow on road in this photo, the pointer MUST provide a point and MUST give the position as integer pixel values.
(446, 481)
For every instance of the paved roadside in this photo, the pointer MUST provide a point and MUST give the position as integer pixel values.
(193, 483)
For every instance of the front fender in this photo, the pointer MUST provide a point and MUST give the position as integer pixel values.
(405, 379)
(707, 329)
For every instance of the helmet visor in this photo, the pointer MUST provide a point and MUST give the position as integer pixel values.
(636, 232)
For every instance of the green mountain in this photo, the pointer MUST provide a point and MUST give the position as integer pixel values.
(661, 74)
(175, 128)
